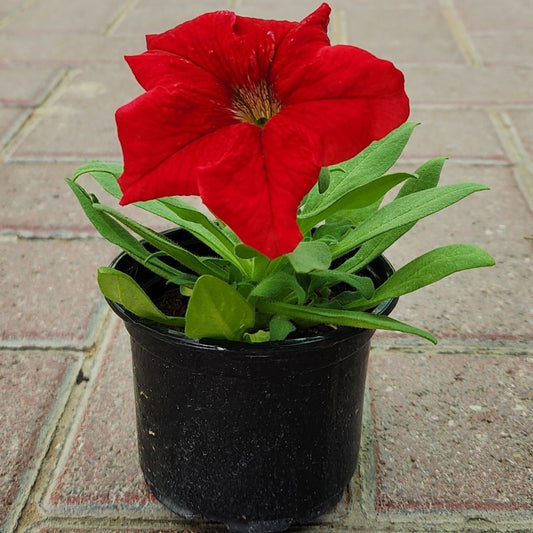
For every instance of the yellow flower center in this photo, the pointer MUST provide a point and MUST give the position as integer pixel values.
(255, 105)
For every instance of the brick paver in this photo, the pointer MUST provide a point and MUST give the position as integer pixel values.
(33, 388)
(452, 431)
(448, 429)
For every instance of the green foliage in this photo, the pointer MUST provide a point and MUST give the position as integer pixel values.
(236, 293)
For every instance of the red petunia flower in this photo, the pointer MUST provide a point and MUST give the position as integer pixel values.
(244, 112)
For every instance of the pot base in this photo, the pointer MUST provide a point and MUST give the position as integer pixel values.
(252, 526)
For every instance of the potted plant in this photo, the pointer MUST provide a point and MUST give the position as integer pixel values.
(250, 329)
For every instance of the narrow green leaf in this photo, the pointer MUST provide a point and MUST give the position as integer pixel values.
(247, 252)
(106, 173)
(176, 211)
(310, 255)
(217, 311)
(404, 211)
(428, 178)
(121, 288)
(351, 195)
(357, 319)
(323, 180)
(112, 231)
(363, 284)
(427, 269)
(164, 244)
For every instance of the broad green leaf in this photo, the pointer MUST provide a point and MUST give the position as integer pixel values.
(217, 311)
(429, 268)
(357, 319)
(404, 211)
(121, 288)
(280, 328)
(310, 255)
(279, 285)
(348, 195)
(428, 178)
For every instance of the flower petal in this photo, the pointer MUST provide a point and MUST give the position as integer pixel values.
(164, 136)
(159, 68)
(237, 50)
(344, 95)
(257, 186)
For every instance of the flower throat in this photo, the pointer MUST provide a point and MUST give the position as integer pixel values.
(256, 105)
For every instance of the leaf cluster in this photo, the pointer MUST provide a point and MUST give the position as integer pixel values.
(236, 293)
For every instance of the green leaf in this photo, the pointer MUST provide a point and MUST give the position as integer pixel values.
(310, 255)
(121, 288)
(358, 172)
(427, 269)
(164, 244)
(279, 285)
(348, 195)
(280, 328)
(112, 231)
(217, 311)
(176, 211)
(323, 180)
(340, 317)
(258, 336)
(106, 174)
(246, 252)
(404, 211)
(428, 178)
(363, 284)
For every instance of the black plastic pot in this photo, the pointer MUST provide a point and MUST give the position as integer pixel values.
(256, 436)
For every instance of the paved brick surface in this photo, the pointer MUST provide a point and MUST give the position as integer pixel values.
(20, 86)
(31, 385)
(48, 289)
(449, 426)
(452, 431)
(78, 123)
(101, 465)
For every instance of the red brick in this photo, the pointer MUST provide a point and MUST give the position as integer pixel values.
(452, 431)
(49, 289)
(33, 388)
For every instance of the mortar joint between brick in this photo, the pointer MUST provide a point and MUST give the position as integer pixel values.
(70, 417)
(340, 29)
(514, 148)
(119, 16)
(30, 120)
(460, 33)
